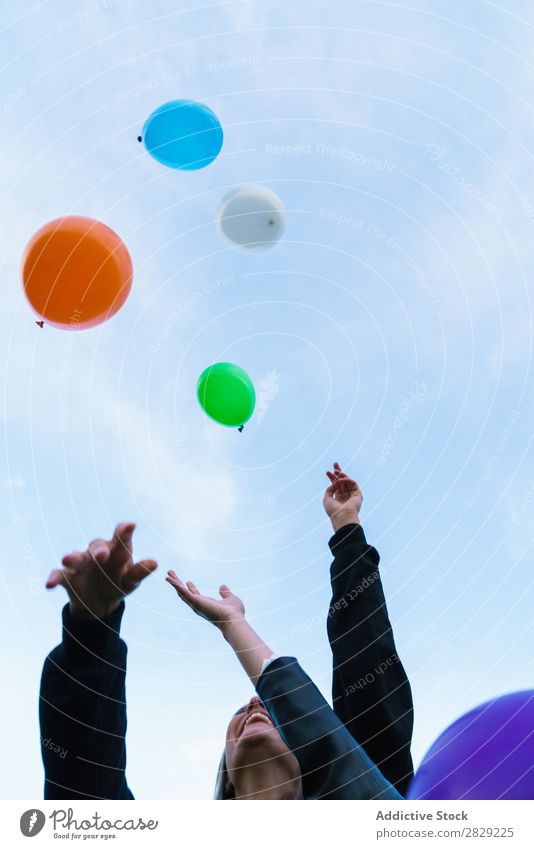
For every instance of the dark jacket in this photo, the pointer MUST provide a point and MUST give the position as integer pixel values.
(82, 710)
(370, 691)
(333, 765)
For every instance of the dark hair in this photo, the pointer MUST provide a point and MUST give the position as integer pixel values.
(223, 786)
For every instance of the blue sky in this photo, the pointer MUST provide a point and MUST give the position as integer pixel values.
(395, 321)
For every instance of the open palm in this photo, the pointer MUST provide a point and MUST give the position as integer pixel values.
(218, 611)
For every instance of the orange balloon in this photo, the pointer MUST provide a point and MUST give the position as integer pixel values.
(76, 272)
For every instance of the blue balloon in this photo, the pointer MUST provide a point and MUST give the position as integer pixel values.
(183, 134)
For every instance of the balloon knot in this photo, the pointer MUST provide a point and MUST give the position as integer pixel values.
(139, 138)
(240, 428)
(40, 324)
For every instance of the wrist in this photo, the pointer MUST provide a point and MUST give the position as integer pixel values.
(80, 611)
(344, 517)
(229, 627)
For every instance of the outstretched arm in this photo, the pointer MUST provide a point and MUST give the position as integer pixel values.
(82, 711)
(370, 690)
(228, 614)
(82, 706)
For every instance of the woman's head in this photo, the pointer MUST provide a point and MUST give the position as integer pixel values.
(256, 763)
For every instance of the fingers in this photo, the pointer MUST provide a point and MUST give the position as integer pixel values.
(345, 482)
(347, 485)
(337, 474)
(334, 478)
(183, 591)
(121, 545)
(74, 559)
(117, 552)
(173, 579)
(55, 579)
(137, 573)
(188, 587)
(59, 578)
(342, 488)
(341, 485)
(99, 551)
(144, 568)
(225, 591)
(342, 476)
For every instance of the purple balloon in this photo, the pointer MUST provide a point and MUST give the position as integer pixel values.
(486, 754)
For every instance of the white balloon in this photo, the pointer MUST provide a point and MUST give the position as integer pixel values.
(252, 218)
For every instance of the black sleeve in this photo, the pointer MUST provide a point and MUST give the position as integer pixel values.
(82, 711)
(370, 691)
(333, 765)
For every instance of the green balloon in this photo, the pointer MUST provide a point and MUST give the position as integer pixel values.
(226, 393)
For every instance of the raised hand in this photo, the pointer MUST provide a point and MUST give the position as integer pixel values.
(97, 579)
(342, 499)
(218, 611)
(228, 614)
